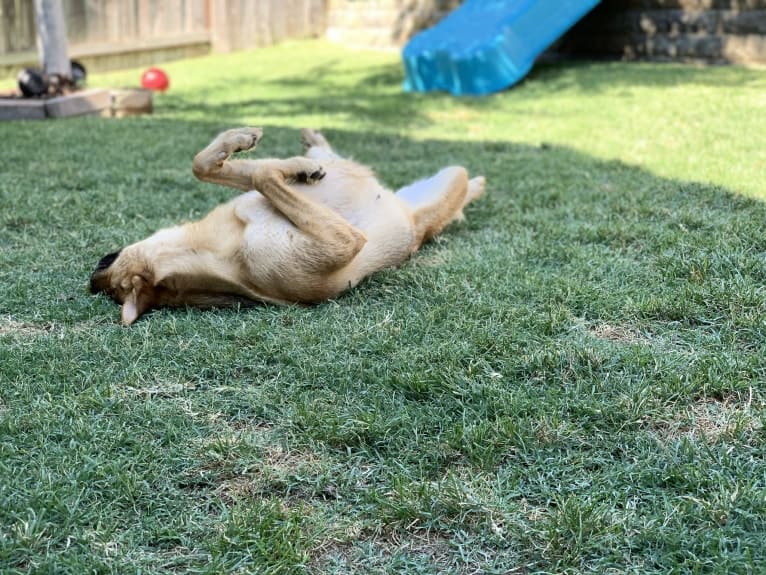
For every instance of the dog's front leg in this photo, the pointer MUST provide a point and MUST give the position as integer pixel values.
(213, 165)
(336, 241)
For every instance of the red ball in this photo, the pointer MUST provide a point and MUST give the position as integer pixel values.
(155, 79)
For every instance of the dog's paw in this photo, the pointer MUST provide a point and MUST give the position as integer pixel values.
(304, 170)
(241, 139)
(476, 188)
(310, 177)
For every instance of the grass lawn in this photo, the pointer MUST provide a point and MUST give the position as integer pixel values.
(571, 381)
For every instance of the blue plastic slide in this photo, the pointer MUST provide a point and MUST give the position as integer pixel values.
(487, 45)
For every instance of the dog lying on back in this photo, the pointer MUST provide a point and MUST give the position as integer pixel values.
(305, 230)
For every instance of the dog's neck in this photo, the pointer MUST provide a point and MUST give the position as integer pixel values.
(187, 270)
(173, 254)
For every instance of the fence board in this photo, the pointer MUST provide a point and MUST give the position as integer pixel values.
(17, 26)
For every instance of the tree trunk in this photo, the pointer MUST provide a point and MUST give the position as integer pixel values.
(51, 38)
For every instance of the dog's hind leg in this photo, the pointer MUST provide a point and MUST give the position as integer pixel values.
(440, 199)
(316, 146)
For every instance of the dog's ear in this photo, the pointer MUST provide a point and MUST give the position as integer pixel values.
(139, 300)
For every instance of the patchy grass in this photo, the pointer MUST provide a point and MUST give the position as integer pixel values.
(571, 381)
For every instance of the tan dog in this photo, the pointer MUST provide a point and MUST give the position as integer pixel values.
(306, 229)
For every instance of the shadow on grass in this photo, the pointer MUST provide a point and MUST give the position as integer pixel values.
(367, 100)
(560, 201)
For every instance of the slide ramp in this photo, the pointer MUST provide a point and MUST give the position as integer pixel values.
(485, 46)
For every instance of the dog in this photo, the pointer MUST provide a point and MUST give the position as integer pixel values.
(306, 229)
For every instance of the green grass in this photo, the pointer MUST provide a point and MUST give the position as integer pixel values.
(571, 381)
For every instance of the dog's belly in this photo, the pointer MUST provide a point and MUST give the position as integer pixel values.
(270, 242)
(277, 254)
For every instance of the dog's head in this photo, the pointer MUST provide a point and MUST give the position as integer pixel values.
(125, 277)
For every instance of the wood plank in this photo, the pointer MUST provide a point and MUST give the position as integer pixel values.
(172, 18)
(250, 34)
(74, 11)
(86, 102)
(219, 26)
(126, 20)
(200, 15)
(98, 21)
(21, 109)
(144, 17)
(142, 45)
(17, 27)
(7, 24)
(168, 17)
(238, 23)
(278, 22)
(263, 25)
(319, 17)
(131, 102)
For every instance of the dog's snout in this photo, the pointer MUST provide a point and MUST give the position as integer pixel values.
(99, 279)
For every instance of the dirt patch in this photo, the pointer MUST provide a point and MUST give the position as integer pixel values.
(363, 552)
(162, 388)
(23, 329)
(274, 468)
(246, 461)
(713, 420)
(616, 333)
(279, 459)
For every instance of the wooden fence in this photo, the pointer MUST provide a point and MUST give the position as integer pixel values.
(119, 33)
(242, 24)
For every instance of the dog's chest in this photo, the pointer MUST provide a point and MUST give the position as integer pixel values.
(268, 233)
(275, 252)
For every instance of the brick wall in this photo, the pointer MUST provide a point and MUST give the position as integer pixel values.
(676, 30)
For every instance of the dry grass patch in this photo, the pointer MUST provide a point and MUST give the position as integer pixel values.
(617, 333)
(363, 552)
(11, 327)
(275, 463)
(249, 462)
(714, 420)
(162, 388)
